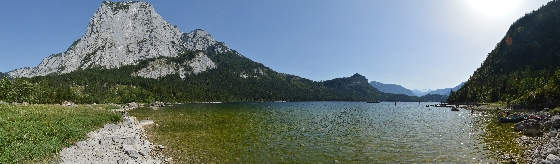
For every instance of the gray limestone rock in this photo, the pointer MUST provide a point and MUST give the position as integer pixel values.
(519, 126)
(81, 144)
(132, 154)
(531, 127)
(129, 141)
(552, 134)
(552, 159)
(144, 151)
(117, 139)
(119, 36)
(555, 121)
(123, 159)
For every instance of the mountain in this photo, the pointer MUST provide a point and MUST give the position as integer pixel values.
(397, 89)
(129, 53)
(421, 92)
(446, 91)
(391, 88)
(523, 69)
(125, 33)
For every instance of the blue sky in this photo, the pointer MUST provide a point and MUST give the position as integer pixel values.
(419, 44)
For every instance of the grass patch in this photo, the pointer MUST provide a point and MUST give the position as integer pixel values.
(36, 133)
(555, 110)
(108, 107)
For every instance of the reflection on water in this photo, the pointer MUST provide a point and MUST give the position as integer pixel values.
(318, 132)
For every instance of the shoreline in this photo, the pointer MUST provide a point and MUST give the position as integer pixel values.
(124, 142)
(540, 137)
(127, 141)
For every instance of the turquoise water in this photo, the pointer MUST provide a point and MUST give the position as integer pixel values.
(318, 132)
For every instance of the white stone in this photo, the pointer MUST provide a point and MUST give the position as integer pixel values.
(553, 159)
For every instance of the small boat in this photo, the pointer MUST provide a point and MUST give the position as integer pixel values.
(373, 102)
(535, 117)
(454, 109)
(512, 119)
(441, 105)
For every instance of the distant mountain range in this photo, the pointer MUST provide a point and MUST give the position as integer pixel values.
(398, 89)
(445, 91)
(421, 92)
(391, 88)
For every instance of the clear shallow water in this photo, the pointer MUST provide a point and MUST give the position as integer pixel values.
(318, 132)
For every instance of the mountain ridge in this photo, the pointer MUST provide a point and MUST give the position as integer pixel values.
(392, 88)
(445, 91)
(398, 89)
(129, 53)
(523, 69)
(123, 33)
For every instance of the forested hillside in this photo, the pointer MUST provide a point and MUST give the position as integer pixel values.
(236, 79)
(523, 69)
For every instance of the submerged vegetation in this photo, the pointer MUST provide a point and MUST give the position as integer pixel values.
(499, 138)
(290, 132)
(36, 133)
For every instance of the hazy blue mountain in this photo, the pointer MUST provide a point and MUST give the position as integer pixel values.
(391, 88)
(446, 91)
(421, 92)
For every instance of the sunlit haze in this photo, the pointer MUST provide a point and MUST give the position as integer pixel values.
(426, 44)
(495, 8)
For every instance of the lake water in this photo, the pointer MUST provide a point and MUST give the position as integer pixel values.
(319, 132)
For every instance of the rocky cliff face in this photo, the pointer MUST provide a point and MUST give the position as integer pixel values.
(124, 33)
(161, 67)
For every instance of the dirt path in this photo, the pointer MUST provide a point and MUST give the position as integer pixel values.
(124, 142)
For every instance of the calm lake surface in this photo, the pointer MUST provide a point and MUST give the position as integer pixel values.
(319, 132)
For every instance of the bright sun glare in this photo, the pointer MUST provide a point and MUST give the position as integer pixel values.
(494, 8)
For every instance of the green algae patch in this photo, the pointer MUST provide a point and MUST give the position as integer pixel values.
(500, 139)
(36, 133)
(196, 136)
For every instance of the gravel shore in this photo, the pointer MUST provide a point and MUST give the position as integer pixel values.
(125, 142)
(544, 142)
(540, 137)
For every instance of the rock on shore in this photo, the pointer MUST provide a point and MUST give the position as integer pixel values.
(543, 140)
(124, 142)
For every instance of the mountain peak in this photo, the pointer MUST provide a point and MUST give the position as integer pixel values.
(198, 40)
(116, 6)
(119, 34)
